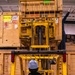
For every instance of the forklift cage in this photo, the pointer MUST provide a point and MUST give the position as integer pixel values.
(39, 56)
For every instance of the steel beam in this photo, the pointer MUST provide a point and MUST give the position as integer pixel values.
(40, 52)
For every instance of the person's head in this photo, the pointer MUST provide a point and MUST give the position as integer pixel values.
(33, 66)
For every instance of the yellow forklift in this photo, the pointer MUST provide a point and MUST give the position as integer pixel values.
(38, 25)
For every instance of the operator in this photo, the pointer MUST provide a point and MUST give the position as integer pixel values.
(33, 68)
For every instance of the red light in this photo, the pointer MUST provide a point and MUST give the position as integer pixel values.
(64, 57)
(12, 58)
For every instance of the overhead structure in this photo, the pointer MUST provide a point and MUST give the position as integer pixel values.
(45, 59)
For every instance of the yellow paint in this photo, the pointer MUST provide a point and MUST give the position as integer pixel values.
(39, 46)
(13, 68)
(64, 68)
(36, 57)
(7, 18)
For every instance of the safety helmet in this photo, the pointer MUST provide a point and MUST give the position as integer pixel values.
(33, 64)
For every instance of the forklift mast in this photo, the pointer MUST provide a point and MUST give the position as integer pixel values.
(40, 32)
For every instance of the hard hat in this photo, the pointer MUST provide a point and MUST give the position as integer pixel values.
(33, 64)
